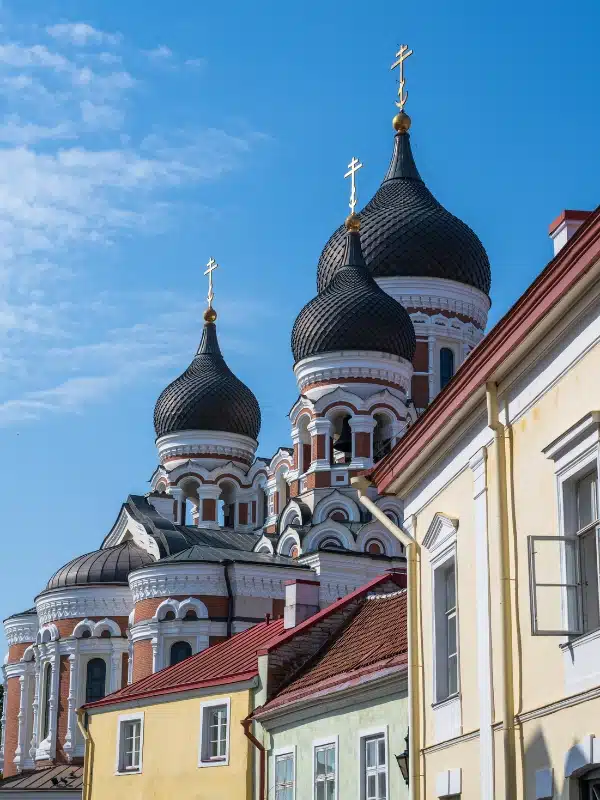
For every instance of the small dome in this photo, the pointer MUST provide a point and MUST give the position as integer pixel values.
(208, 396)
(110, 565)
(406, 232)
(353, 313)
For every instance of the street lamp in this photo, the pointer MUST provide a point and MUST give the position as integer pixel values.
(403, 761)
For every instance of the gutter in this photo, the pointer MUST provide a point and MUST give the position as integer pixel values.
(262, 755)
(413, 556)
(88, 756)
(226, 564)
(505, 639)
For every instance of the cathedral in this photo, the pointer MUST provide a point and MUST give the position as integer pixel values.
(402, 299)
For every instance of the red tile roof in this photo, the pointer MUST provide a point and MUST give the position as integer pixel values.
(375, 639)
(227, 662)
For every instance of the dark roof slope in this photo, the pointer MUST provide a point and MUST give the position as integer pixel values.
(207, 396)
(110, 565)
(406, 232)
(199, 553)
(63, 778)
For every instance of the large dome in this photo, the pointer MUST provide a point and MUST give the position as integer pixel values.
(406, 232)
(110, 565)
(353, 313)
(208, 396)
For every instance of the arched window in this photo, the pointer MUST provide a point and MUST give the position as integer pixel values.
(180, 651)
(338, 514)
(46, 701)
(294, 552)
(446, 366)
(86, 634)
(375, 547)
(168, 616)
(190, 615)
(95, 682)
(329, 543)
(105, 634)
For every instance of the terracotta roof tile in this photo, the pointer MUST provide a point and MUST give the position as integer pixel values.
(376, 638)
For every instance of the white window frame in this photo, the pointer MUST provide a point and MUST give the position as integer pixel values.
(206, 706)
(317, 743)
(121, 720)
(362, 764)
(441, 693)
(285, 751)
(575, 453)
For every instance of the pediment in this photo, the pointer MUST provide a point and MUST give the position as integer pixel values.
(442, 530)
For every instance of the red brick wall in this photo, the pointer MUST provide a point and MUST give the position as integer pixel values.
(362, 444)
(307, 456)
(296, 462)
(63, 708)
(318, 480)
(209, 509)
(421, 357)
(216, 639)
(142, 659)
(318, 446)
(278, 606)
(253, 519)
(125, 670)
(276, 502)
(11, 738)
(217, 606)
(15, 652)
(243, 513)
(420, 390)
(66, 626)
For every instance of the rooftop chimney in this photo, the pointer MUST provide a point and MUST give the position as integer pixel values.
(301, 601)
(564, 226)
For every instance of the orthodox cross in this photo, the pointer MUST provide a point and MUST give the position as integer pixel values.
(401, 57)
(353, 168)
(212, 266)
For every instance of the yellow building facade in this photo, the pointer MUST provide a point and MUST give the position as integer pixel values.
(499, 482)
(171, 758)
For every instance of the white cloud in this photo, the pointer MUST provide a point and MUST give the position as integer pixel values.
(195, 62)
(160, 52)
(82, 34)
(16, 55)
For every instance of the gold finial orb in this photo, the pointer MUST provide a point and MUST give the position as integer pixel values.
(210, 314)
(353, 222)
(401, 122)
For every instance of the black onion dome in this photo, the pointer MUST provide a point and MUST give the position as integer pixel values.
(208, 396)
(406, 232)
(110, 565)
(353, 313)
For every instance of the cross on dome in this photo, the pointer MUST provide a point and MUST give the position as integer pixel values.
(212, 266)
(401, 56)
(353, 168)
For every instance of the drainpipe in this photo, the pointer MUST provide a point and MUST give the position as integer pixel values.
(82, 724)
(262, 754)
(412, 566)
(226, 565)
(505, 639)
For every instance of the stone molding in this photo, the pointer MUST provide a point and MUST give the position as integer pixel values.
(81, 602)
(355, 364)
(185, 444)
(187, 580)
(21, 630)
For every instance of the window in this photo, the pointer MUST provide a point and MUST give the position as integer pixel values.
(375, 547)
(168, 616)
(446, 634)
(325, 772)
(564, 570)
(130, 743)
(284, 776)
(190, 615)
(446, 366)
(214, 733)
(590, 787)
(374, 768)
(329, 544)
(179, 652)
(46, 701)
(95, 683)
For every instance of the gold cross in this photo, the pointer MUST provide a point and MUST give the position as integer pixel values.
(401, 57)
(353, 168)
(212, 266)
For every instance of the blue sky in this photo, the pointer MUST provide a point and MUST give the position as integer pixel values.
(139, 138)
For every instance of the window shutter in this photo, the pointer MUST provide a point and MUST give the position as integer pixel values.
(554, 585)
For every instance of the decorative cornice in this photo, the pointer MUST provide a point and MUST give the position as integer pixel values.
(205, 451)
(96, 601)
(21, 630)
(188, 580)
(354, 366)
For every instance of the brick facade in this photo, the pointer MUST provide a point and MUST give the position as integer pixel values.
(362, 444)
(15, 652)
(142, 659)
(12, 699)
(209, 509)
(62, 708)
(145, 609)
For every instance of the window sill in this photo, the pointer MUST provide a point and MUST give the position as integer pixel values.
(215, 762)
(446, 701)
(580, 640)
(128, 772)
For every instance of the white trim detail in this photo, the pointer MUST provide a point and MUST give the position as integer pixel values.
(448, 783)
(290, 750)
(324, 742)
(83, 601)
(183, 444)
(122, 718)
(363, 735)
(334, 367)
(204, 707)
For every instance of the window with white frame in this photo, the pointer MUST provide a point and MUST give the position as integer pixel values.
(446, 630)
(565, 570)
(214, 733)
(374, 768)
(325, 776)
(130, 743)
(284, 776)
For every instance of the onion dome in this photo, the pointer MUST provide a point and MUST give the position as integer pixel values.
(208, 396)
(110, 565)
(353, 313)
(406, 232)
